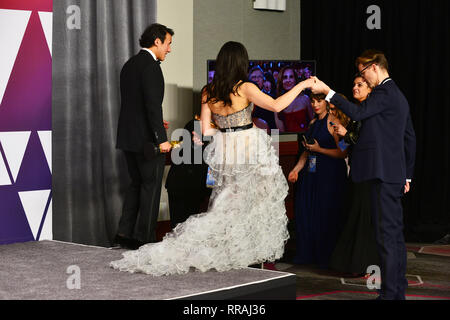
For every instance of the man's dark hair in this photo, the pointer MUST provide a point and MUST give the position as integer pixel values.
(153, 32)
(372, 56)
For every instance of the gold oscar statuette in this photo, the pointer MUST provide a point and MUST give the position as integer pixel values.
(175, 144)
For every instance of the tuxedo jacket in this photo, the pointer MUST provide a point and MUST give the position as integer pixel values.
(386, 146)
(142, 93)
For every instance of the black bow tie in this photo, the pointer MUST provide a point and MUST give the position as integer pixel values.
(158, 62)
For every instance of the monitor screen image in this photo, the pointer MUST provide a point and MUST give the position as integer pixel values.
(275, 77)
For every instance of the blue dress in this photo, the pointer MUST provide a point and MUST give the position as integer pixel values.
(318, 202)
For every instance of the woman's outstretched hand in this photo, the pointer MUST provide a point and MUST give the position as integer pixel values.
(308, 83)
(319, 86)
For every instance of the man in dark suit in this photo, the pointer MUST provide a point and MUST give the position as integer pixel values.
(141, 125)
(384, 155)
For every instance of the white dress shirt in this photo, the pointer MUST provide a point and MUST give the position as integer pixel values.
(151, 52)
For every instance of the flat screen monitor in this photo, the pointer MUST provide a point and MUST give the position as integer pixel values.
(275, 77)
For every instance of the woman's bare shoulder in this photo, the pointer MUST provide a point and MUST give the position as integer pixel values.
(245, 86)
(244, 90)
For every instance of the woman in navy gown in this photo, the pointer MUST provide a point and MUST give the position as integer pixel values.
(322, 176)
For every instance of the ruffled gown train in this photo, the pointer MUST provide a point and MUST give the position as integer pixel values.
(246, 220)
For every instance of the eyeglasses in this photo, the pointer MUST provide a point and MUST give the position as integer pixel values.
(361, 73)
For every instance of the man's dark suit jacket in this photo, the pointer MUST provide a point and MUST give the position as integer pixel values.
(386, 145)
(142, 92)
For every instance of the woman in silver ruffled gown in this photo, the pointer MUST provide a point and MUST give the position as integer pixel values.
(246, 220)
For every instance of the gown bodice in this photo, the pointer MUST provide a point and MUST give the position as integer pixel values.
(236, 119)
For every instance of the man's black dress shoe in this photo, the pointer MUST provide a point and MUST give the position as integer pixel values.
(127, 243)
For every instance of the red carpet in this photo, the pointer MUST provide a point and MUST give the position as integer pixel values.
(346, 292)
(440, 250)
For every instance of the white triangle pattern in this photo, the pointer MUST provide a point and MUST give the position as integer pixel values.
(14, 145)
(46, 142)
(47, 228)
(46, 22)
(4, 176)
(33, 203)
(13, 24)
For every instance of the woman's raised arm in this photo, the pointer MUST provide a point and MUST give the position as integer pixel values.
(259, 98)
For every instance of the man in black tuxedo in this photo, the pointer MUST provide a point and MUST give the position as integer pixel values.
(141, 125)
(384, 154)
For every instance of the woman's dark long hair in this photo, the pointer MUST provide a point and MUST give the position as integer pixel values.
(231, 67)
